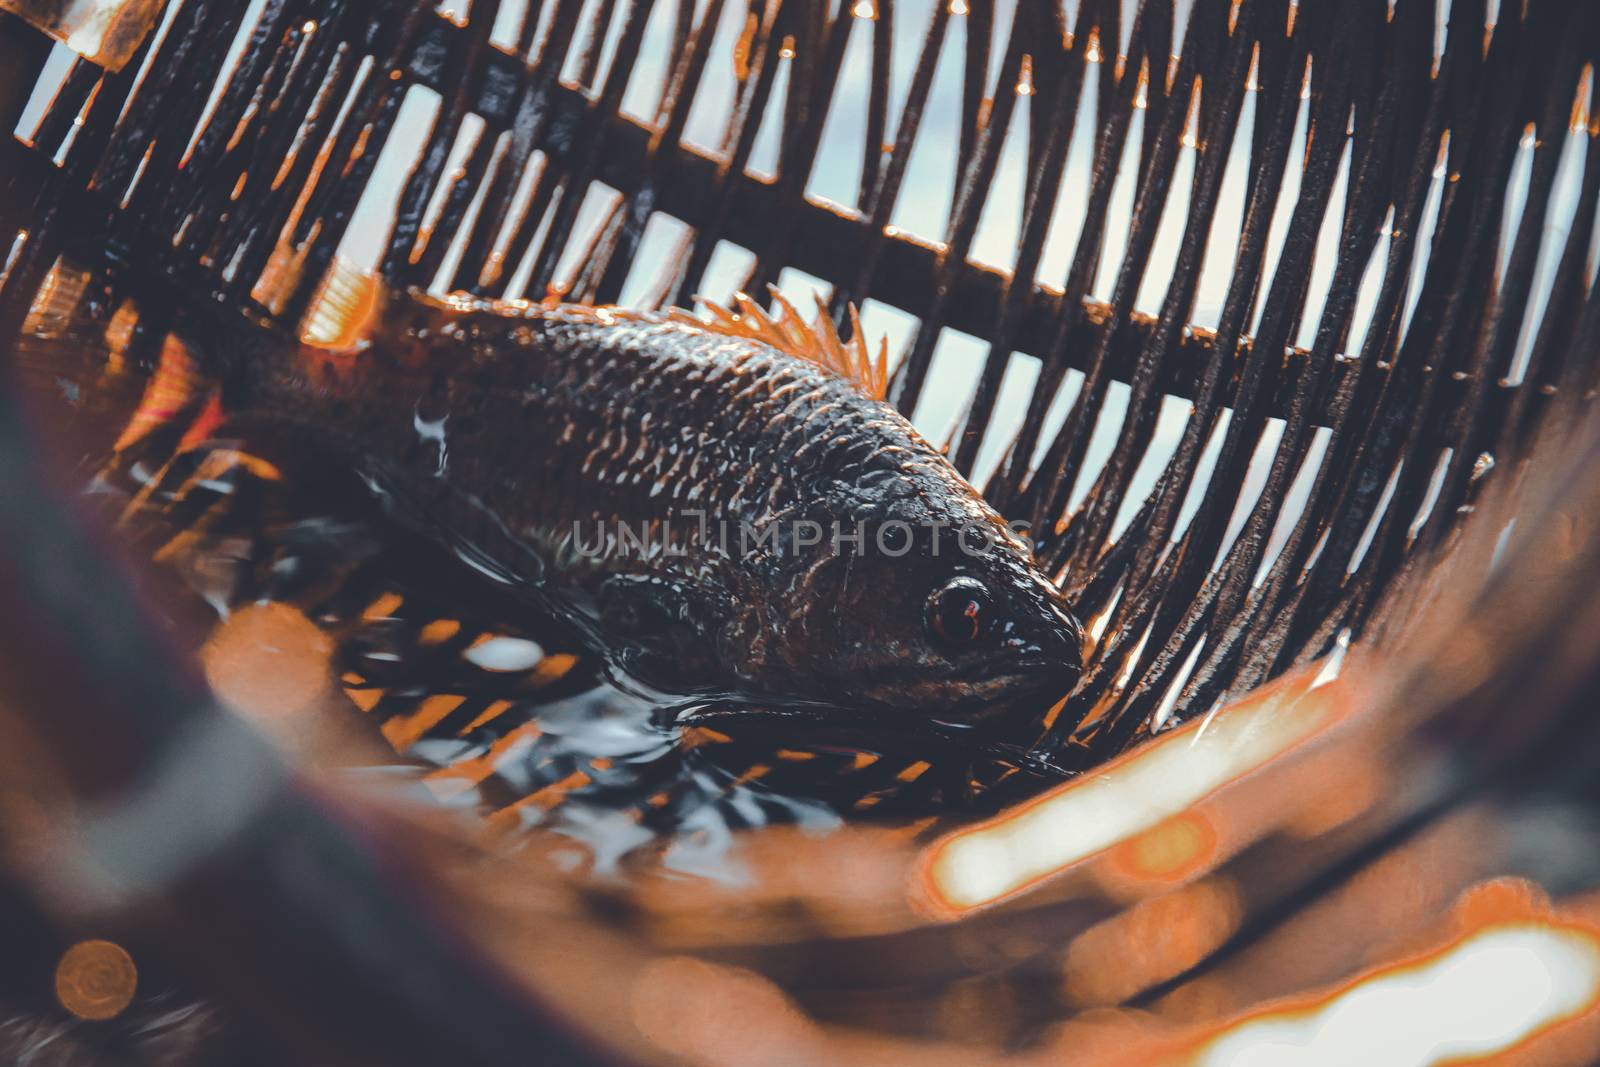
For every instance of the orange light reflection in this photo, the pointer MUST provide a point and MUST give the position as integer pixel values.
(1479, 996)
(1129, 796)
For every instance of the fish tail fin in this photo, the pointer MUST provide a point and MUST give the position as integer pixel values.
(346, 310)
(354, 308)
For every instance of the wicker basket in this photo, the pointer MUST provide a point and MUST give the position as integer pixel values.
(1241, 305)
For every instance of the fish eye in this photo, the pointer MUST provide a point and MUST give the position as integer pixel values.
(959, 611)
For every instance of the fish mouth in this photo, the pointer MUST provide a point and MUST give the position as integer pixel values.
(982, 687)
(1025, 687)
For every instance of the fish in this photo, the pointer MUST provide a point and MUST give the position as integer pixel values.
(726, 505)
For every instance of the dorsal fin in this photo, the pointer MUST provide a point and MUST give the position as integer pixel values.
(817, 342)
(349, 301)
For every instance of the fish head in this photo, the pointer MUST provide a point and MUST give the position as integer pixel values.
(953, 621)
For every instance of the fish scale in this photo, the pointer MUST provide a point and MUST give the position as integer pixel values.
(758, 409)
(500, 429)
(771, 436)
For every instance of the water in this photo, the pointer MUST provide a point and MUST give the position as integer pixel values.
(470, 687)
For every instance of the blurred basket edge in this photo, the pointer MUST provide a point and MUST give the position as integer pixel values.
(1438, 702)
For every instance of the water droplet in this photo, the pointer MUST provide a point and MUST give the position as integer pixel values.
(1025, 77)
(504, 654)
